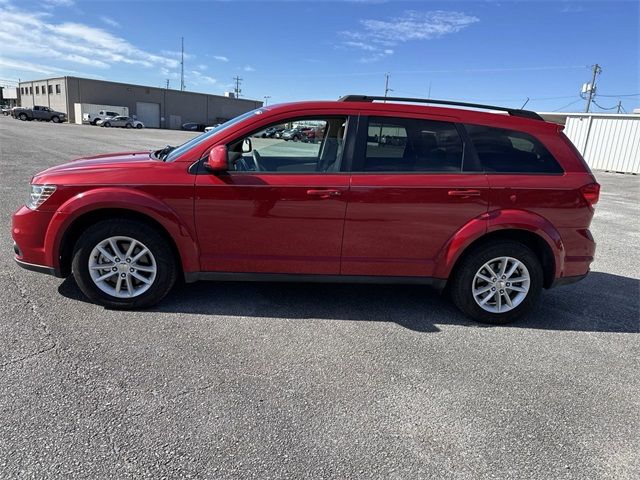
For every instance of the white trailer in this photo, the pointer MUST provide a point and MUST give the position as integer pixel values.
(85, 112)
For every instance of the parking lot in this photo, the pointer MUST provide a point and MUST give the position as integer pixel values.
(262, 380)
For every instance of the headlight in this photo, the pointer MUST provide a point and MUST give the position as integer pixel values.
(39, 195)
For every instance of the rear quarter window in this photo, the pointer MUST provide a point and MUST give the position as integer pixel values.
(509, 151)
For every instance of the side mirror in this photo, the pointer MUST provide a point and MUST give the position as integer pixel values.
(218, 160)
(246, 145)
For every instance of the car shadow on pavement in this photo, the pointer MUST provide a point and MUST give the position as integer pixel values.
(600, 303)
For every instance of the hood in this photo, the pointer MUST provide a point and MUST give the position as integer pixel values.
(99, 163)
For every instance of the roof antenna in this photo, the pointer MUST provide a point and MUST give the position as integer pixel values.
(524, 104)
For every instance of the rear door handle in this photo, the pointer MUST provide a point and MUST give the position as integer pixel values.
(464, 193)
(324, 193)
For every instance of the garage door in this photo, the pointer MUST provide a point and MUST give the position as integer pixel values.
(148, 113)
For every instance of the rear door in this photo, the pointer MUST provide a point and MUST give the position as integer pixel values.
(413, 186)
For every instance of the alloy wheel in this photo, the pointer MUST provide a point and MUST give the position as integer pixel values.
(501, 284)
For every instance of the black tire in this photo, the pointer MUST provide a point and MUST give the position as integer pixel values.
(167, 268)
(23, 117)
(128, 125)
(461, 287)
(55, 119)
(139, 125)
(106, 124)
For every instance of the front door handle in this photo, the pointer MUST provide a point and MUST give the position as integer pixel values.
(464, 193)
(324, 193)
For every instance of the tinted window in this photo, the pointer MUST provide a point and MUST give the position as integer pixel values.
(296, 146)
(508, 151)
(412, 145)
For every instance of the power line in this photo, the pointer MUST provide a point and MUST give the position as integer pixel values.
(601, 107)
(568, 105)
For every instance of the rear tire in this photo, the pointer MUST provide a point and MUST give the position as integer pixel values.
(469, 278)
(23, 117)
(128, 125)
(139, 125)
(158, 267)
(106, 124)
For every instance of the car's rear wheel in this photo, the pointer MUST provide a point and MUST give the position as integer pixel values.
(124, 264)
(139, 125)
(497, 283)
(106, 124)
(128, 125)
(23, 117)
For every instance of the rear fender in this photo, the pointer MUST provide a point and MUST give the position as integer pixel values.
(496, 221)
(123, 199)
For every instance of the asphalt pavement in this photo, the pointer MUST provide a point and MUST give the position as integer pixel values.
(266, 380)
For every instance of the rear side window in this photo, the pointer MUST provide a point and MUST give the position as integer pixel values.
(509, 151)
(412, 145)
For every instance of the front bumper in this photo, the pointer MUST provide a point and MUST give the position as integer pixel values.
(29, 230)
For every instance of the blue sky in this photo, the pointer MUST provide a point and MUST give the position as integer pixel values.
(497, 52)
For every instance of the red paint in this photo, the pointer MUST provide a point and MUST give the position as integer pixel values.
(339, 223)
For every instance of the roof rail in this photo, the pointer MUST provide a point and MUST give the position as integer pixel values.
(511, 111)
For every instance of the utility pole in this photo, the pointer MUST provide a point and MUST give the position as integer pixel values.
(167, 84)
(619, 105)
(592, 87)
(386, 85)
(237, 90)
(266, 100)
(182, 66)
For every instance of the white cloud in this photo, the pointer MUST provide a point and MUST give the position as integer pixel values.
(60, 3)
(199, 79)
(221, 58)
(377, 35)
(376, 56)
(110, 21)
(67, 43)
(249, 68)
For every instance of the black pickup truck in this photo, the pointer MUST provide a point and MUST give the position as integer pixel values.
(39, 113)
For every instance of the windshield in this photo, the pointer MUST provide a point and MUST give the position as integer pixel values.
(171, 153)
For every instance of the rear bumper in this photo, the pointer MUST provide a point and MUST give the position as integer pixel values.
(559, 282)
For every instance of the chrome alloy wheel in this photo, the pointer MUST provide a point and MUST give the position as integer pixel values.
(122, 267)
(501, 284)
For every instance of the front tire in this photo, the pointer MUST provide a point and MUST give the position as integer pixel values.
(55, 119)
(106, 124)
(123, 264)
(497, 283)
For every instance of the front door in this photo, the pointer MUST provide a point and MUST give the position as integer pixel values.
(281, 207)
(409, 195)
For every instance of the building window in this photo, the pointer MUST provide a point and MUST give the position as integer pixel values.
(31, 90)
(21, 90)
(37, 90)
(50, 88)
(57, 88)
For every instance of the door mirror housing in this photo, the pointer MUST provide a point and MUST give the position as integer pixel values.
(218, 160)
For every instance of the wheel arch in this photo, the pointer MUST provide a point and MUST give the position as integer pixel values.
(73, 231)
(528, 228)
(535, 242)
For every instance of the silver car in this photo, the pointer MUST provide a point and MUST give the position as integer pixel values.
(120, 121)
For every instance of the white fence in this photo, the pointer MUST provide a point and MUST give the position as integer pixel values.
(607, 142)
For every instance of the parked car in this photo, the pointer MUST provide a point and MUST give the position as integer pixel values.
(39, 113)
(491, 207)
(292, 134)
(120, 121)
(6, 111)
(194, 127)
(100, 117)
(208, 129)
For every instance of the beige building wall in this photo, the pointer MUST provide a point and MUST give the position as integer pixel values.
(176, 107)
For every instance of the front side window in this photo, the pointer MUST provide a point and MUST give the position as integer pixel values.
(509, 151)
(412, 145)
(309, 145)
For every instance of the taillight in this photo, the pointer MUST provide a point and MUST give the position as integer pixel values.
(591, 193)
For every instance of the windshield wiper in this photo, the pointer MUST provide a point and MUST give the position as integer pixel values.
(162, 153)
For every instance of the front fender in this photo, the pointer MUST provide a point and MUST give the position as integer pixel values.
(123, 199)
(495, 221)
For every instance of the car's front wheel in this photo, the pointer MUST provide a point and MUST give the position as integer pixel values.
(497, 283)
(55, 119)
(124, 264)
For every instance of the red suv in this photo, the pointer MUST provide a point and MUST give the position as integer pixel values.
(493, 207)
